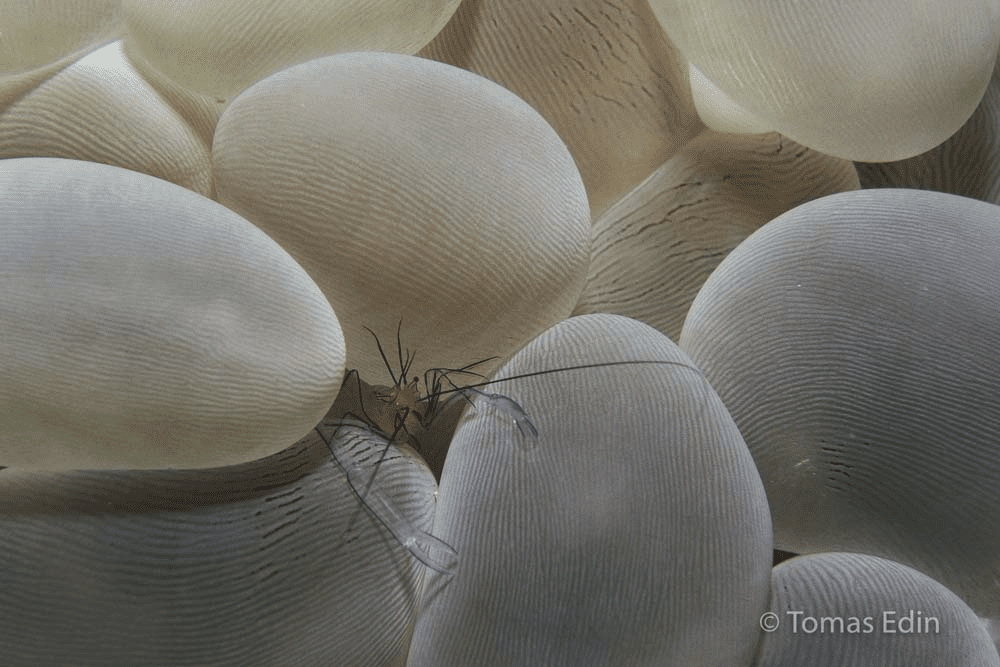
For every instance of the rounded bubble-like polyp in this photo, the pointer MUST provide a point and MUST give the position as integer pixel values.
(856, 342)
(603, 515)
(840, 609)
(38, 32)
(420, 197)
(870, 81)
(100, 109)
(653, 249)
(277, 561)
(220, 47)
(602, 72)
(145, 326)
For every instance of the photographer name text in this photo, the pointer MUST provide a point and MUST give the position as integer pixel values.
(909, 622)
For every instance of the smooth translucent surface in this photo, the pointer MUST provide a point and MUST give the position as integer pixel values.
(273, 562)
(602, 72)
(418, 196)
(220, 47)
(608, 515)
(968, 164)
(145, 326)
(851, 610)
(852, 78)
(655, 247)
(36, 32)
(856, 342)
(100, 109)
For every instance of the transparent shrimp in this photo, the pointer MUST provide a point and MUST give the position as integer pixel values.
(427, 549)
(389, 412)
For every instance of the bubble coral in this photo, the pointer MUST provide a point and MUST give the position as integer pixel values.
(852, 610)
(855, 342)
(859, 80)
(145, 326)
(653, 249)
(221, 47)
(967, 164)
(601, 72)
(37, 33)
(407, 188)
(100, 109)
(272, 562)
(603, 515)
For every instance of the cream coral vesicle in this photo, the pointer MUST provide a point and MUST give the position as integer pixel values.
(604, 515)
(420, 197)
(856, 79)
(145, 326)
(220, 47)
(855, 341)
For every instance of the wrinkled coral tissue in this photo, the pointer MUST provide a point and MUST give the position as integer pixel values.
(479, 332)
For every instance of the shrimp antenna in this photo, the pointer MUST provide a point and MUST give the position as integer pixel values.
(444, 372)
(433, 387)
(560, 370)
(385, 360)
(403, 365)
